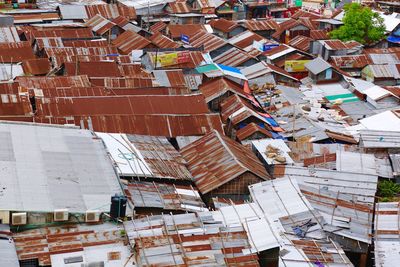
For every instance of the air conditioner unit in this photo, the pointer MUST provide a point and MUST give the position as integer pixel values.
(18, 218)
(61, 215)
(92, 216)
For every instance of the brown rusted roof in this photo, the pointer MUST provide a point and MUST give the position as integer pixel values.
(93, 69)
(129, 40)
(218, 87)
(37, 32)
(301, 42)
(215, 159)
(319, 34)
(305, 14)
(339, 45)
(99, 24)
(42, 242)
(234, 103)
(233, 57)
(120, 21)
(207, 40)
(291, 23)
(38, 66)
(175, 30)
(53, 81)
(261, 25)
(32, 18)
(249, 130)
(156, 125)
(123, 82)
(179, 7)
(158, 26)
(119, 105)
(111, 11)
(85, 43)
(353, 61)
(223, 25)
(15, 52)
(162, 41)
(13, 103)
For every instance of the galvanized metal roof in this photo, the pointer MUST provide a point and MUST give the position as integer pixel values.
(67, 168)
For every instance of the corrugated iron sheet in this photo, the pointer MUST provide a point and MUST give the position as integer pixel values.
(209, 41)
(15, 52)
(156, 125)
(214, 160)
(39, 66)
(129, 40)
(162, 41)
(261, 25)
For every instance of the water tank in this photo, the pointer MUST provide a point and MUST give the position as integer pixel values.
(118, 206)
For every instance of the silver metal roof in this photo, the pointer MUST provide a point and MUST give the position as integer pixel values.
(46, 167)
(317, 65)
(8, 254)
(73, 12)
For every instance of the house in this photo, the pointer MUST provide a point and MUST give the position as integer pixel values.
(383, 75)
(237, 112)
(216, 90)
(187, 18)
(222, 167)
(226, 28)
(265, 27)
(177, 7)
(290, 28)
(321, 71)
(352, 65)
(328, 48)
(103, 27)
(68, 170)
(328, 24)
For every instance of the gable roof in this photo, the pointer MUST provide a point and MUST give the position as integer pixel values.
(317, 65)
(223, 25)
(129, 40)
(219, 86)
(215, 159)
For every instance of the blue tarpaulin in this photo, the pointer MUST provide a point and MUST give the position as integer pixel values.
(394, 39)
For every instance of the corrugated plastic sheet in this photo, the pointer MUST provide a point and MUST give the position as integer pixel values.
(215, 160)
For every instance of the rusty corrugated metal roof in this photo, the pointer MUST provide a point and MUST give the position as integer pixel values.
(93, 69)
(99, 24)
(218, 87)
(111, 11)
(129, 40)
(162, 41)
(223, 25)
(352, 61)
(53, 81)
(233, 57)
(175, 30)
(261, 25)
(156, 125)
(38, 66)
(15, 52)
(179, 7)
(158, 26)
(250, 129)
(301, 42)
(118, 105)
(209, 41)
(215, 160)
(319, 34)
(120, 21)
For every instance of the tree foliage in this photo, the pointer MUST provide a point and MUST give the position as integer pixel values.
(360, 24)
(387, 190)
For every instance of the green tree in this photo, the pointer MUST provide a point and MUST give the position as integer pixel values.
(387, 190)
(360, 24)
